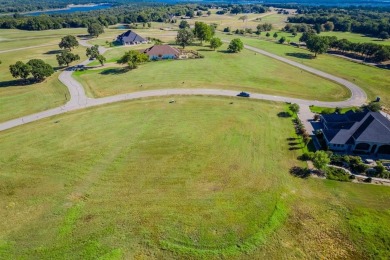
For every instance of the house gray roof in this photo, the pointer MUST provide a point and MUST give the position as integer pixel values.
(373, 128)
(130, 36)
(158, 50)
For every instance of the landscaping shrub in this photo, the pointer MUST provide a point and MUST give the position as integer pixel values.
(337, 174)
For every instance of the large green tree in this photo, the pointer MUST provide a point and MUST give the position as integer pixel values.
(20, 70)
(184, 37)
(68, 42)
(66, 58)
(317, 44)
(95, 29)
(203, 32)
(235, 45)
(39, 69)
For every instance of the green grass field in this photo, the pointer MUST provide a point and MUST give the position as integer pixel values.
(374, 81)
(200, 178)
(242, 71)
(18, 100)
(355, 37)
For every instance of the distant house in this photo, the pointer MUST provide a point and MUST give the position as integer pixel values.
(363, 133)
(130, 38)
(158, 52)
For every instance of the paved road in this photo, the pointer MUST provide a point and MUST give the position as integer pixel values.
(79, 100)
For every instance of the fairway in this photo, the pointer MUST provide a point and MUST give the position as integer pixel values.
(197, 178)
(18, 100)
(242, 71)
(374, 81)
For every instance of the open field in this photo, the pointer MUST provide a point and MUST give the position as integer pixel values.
(168, 33)
(355, 37)
(198, 178)
(13, 38)
(231, 20)
(374, 81)
(267, 76)
(16, 99)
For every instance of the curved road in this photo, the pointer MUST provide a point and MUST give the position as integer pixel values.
(79, 100)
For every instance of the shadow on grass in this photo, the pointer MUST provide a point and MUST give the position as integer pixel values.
(54, 52)
(16, 83)
(284, 114)
(300, 55)
(300, 172)
(224, 51)
(113, 71)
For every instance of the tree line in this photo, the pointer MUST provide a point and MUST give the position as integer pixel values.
(369, 22)
(126, 13)
(39, 70)
(320, 44)
(16, 6)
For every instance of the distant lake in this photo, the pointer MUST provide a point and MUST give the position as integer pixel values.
(72, 9)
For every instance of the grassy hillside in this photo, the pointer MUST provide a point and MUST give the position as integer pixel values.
(200, 178)
(374, 81)
(218, 69)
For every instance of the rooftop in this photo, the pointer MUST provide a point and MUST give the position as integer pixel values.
(373, 127)
(158, 50)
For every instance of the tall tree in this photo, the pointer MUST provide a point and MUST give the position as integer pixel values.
(184, 37)
(235, 45)
(95, 29)
(317, 45)
(39, 69)
(68, 42)
(203, 32)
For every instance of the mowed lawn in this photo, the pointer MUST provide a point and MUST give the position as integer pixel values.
(242, 71)
(374, 81)
(200, 178)
(17, 99)
(356, 37)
